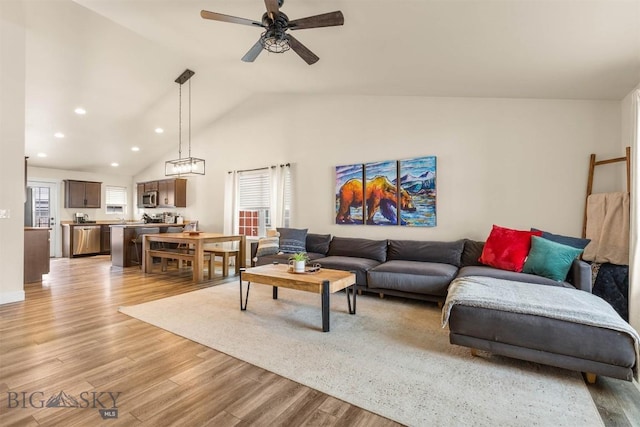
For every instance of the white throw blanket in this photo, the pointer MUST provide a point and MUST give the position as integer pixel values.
(566, 304)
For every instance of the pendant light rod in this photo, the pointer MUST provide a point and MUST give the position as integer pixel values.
(188, 165)
(189, 118)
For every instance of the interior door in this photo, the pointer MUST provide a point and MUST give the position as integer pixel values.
(41, 209)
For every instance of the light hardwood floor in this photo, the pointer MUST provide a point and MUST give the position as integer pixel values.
(68, 336)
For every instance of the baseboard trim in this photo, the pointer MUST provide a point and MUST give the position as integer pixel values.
(9, 297)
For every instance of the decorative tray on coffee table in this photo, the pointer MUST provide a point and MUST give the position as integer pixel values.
(309, 269)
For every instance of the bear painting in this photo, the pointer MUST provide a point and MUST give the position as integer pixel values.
(380, 195)
(387, 193)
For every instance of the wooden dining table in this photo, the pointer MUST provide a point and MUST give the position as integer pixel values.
(194, 241)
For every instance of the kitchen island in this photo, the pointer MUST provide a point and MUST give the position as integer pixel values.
(122, 250)
(36, 253)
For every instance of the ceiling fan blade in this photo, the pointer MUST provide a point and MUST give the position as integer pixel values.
(227, 18)
(253, 52)
(330, 19)
(308, 56)
(272, 8)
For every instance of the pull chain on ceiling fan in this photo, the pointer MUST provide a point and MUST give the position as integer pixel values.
(275, 37)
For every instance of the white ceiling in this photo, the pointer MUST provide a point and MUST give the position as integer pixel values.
(119, 58)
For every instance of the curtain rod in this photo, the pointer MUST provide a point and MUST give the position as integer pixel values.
(260, 169)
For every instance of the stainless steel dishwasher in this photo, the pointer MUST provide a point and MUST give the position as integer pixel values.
(86, 239)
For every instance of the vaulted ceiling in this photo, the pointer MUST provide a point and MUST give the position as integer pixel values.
(118, 59)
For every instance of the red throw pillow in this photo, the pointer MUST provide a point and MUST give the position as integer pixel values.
(507, 249)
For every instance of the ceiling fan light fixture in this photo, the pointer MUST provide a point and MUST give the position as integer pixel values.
(184, 165)
(274, 41)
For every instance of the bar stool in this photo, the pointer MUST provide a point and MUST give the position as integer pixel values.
(137, 241)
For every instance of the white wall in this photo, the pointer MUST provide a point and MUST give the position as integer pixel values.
(12, 104)
(517, 163)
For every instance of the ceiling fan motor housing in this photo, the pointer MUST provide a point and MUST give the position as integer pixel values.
(275, 39)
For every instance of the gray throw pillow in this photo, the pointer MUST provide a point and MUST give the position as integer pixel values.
(318, 243)
(575, 242)
(292, 240)
(471, 253)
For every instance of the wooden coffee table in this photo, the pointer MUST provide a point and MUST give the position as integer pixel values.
(323, 282)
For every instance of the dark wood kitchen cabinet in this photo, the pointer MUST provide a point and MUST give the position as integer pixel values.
(172, 193)
(105, 239)
(36, 253)
(82, 194)
(140, 192)
(150, 186)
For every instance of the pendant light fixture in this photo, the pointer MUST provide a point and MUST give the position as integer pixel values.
(184, 165)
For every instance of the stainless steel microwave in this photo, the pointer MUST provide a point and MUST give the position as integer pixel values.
(150, 199)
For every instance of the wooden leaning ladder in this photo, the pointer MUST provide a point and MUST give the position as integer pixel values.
(592, 165)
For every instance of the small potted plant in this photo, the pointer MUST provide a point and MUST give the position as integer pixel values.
(298, 261)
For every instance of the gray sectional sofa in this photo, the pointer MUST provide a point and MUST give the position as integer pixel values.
(413, 269)
(425, 270)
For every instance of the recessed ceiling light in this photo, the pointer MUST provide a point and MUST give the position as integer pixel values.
(115, 165)
(80, 111)
(159, 130)
(42, 154)
(59, 135)
(135, 148)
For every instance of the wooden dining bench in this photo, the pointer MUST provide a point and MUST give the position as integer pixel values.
(225, 254)
(177, 254)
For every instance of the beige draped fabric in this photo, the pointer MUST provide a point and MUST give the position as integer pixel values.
(608, 228)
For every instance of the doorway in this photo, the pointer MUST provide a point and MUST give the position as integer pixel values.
(41, 210)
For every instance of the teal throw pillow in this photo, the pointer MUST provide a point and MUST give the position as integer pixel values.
(550, 259)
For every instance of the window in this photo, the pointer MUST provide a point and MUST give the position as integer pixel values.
(258, 198)
(116, 200)
(254, 195)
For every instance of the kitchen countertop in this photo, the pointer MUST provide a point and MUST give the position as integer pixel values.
(141, 224)
(119, 224)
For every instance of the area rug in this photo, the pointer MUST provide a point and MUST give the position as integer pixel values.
(391, 358)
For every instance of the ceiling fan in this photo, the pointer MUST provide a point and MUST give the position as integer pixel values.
(275, 38)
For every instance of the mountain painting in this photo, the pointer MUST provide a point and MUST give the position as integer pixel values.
(349, 194)
(418, 179)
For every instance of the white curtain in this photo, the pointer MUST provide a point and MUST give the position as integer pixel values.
(634, 270)
(230, 204)
(280, 195)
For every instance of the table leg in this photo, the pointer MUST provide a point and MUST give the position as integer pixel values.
(198, 262)
(243, 306)
(275, 292)
(325, 306)
(241, 251)
(146, 258)
(353, 290)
